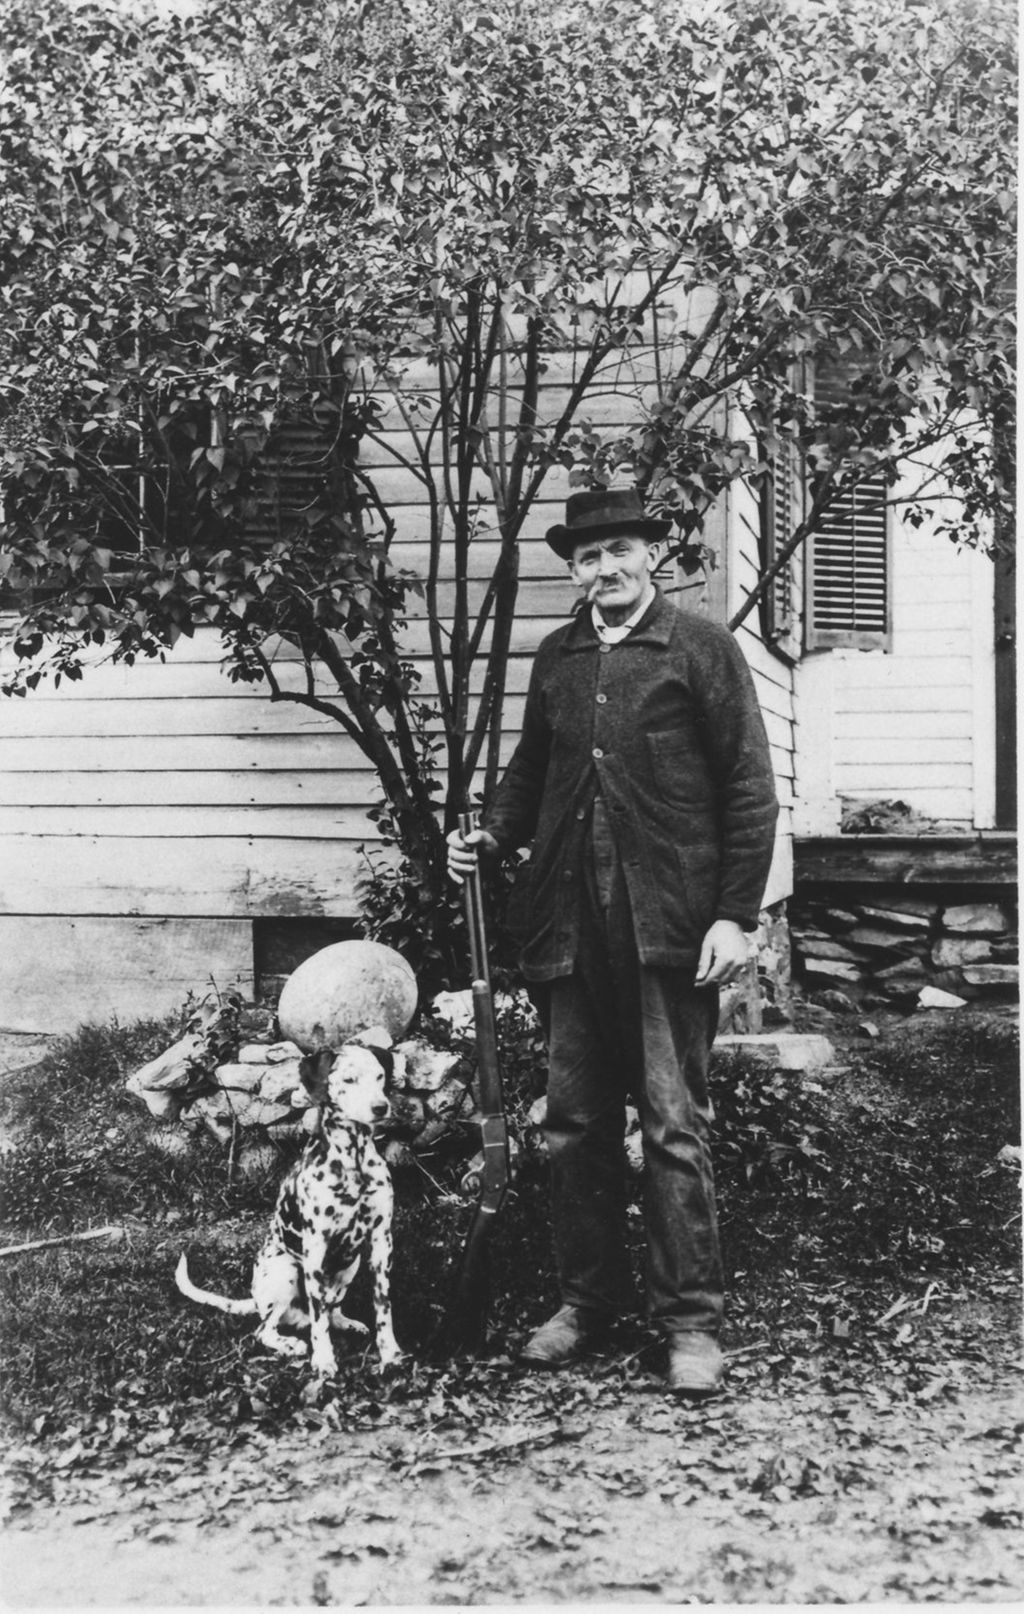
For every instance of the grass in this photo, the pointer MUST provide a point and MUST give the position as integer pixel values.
(886, 1175)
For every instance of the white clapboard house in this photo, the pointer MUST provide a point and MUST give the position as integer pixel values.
(162, 829)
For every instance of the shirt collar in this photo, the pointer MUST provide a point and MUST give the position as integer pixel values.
(613, 635)
(655, 628)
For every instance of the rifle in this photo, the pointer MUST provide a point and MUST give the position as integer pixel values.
(464, 1330)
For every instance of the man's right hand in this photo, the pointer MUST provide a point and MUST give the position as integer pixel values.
(464, 851)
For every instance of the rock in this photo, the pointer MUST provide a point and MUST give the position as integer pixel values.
(975, 918)
(343, 989)
(447, 1100)
(911, 920)
(992, 974)
(831, 969)
(897, 988)
(1009, 1155)
(537, 1114)
(836, 1001)
(210, 1035)
(952, 952)
(240, 1078)
(932, 997)
(293, 1126)
(284, 1082)
(398, 1155)
(877, 941)
(426, 1068)
(814, 949)
(249, 1109)
(908, 969)
(790, 1051)
(162, 1106)
(869, 1029)
(455, 1009)
(268, 1053)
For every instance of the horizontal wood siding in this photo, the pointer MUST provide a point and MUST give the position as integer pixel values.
(61, 972)
(773, 679)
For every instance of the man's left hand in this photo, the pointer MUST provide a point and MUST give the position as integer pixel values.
(723, 955)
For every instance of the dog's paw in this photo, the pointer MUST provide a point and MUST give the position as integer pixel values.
(283, 1344)
(389, 1353)
(349, 1325)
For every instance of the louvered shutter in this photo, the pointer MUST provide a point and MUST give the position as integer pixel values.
(780, 512)
(848, 590)
(290, 482)
(848, 572)
(782, 517)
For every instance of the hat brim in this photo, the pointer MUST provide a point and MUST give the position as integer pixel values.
(563, 540)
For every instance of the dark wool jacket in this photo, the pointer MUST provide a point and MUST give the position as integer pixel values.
(665, 725)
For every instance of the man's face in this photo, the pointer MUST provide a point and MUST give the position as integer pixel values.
(614, 573)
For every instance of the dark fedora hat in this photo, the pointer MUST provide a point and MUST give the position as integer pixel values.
(601, 513)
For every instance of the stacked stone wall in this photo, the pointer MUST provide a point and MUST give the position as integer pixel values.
(885, 944)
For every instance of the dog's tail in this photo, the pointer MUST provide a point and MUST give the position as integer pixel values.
(236, 1308)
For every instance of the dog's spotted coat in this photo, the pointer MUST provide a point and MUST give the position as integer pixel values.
(334, 1206)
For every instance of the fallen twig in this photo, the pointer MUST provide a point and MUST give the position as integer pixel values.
(530, 1437)
(927, 1297)
(902, 1304)
(64, 1238)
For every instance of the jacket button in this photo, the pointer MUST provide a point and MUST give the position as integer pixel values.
(597, 752)
(602, 700)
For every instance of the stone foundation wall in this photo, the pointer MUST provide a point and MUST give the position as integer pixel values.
(884, 944)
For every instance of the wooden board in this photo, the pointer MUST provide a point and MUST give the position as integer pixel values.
(905, 860)
(60, 972)
(208, 877)
(264, 787)
(160, 822)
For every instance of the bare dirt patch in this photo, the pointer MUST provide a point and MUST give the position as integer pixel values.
(824, 1475)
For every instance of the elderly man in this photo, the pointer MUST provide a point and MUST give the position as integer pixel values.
(643, 781)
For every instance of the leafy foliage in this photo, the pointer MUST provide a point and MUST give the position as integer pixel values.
(342, 240)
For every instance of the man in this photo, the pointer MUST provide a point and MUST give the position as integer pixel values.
(643, 779)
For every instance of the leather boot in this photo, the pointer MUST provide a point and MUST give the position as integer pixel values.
(564, 1338)
(696, 1365)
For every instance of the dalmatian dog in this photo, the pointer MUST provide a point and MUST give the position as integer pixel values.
(334, 1206)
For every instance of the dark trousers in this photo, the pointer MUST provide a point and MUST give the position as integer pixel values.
(617, 1030)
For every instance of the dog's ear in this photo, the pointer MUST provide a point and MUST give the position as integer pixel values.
(385, 1057)
(314, 1069)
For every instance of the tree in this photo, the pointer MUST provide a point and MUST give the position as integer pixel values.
(238, 228)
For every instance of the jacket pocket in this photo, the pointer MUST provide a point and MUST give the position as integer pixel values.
(678, 770)
(700, 879)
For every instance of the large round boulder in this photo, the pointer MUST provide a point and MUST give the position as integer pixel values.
(344, 989)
